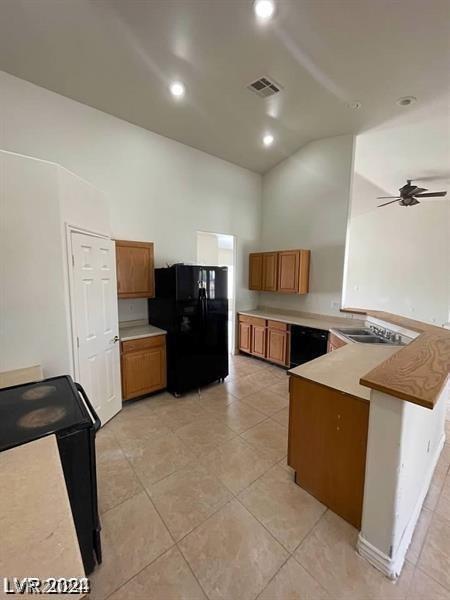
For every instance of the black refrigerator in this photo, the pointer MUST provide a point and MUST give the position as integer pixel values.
(191, 304)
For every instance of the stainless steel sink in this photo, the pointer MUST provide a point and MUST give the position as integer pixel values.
(364, 335)
(368, 339)
(355, 331)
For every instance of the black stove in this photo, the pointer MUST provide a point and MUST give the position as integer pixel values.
(34, 410)
(59, 406)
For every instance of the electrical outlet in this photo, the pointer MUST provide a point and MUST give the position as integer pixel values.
(336, 305)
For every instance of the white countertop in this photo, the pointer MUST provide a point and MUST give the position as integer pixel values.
(308, 320)
(18, 376)
(343, 368)
(134, 330)
(38, 537)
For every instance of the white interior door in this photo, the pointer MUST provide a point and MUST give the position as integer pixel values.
(96, 322)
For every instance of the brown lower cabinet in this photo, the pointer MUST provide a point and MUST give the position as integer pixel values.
(277, 342)
(143, 363)
(327, 446)
(264, 339)
(258, 347)
(245, 336)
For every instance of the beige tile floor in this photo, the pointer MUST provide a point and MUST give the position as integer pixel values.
(197, 502)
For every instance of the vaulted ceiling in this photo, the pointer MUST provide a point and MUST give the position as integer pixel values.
(120, 56)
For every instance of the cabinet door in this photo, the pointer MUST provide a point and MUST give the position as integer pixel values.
(293, 271)
(277, 346)
(135, 269)
(255, 271)
(269, 267)
(327, 446)
(303, 276)
(143, 371)
(245, 337)
(288, 271)
(259, 341)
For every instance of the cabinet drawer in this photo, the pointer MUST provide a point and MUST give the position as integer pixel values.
(277, 325)
(255, 321)
(143, 343)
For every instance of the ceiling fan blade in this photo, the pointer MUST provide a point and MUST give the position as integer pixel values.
(386, 197)
(419, 190)
(431, 195)
(386, 203)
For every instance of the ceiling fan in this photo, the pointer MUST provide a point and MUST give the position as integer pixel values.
(409, 194)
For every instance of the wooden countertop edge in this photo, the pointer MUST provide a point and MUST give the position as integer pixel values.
(419, 371)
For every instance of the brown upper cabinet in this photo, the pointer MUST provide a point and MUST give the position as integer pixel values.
(135, 269)
(293, 271)
(285, 271)
(270, 263)
(255, 271)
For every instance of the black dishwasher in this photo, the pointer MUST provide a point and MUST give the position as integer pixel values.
(307, 343)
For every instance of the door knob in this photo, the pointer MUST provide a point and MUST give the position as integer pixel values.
(115, 339)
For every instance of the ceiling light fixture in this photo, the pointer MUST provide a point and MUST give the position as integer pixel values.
(406, 100)
(177, 89)
(264, 9)
(268, 140)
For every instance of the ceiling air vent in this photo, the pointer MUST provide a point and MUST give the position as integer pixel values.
(264, 87)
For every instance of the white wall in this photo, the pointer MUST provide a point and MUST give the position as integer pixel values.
(157, 189)
(37, 198)
(32, 299)
(398, 258)
(305, 201)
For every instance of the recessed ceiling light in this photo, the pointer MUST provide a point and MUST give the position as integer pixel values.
(264, 9)
(406, 101)
(268, 140)
(177, 89)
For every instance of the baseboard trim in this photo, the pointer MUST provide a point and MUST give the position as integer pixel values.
(378, 559)
(391, 566)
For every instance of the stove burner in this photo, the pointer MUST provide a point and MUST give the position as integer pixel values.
(38, 392)
(42, 416)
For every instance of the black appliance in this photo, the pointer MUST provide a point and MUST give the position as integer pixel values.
(59, 406)
(307, 343)
(191, 304)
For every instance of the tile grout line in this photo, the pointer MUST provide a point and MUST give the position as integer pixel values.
(192, 570)
(233, 497)
(174, 544)
(140, 571)
(431, 577)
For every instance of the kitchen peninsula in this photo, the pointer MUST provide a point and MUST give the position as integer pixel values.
(366, 429)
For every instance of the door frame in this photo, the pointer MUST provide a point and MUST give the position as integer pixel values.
(69, 265)
(233, 349)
